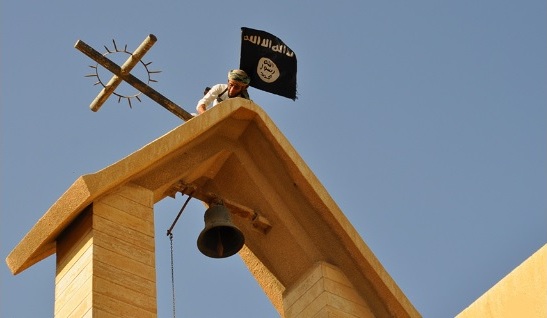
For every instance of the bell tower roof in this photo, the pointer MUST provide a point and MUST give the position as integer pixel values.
(235, 152)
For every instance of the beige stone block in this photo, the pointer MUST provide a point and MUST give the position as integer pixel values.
(323, 289)
(87, 314)
(66, 289)
(81, 262)
(121, 277)
(117, 229)
(135, 193)
(73, 241)
(328, 304)
(80, 301)
(123, 248)
(97, 313)
(322, 314)
(348, 292)
(128, 219)
(73, 278)
(341, 303)
(318, 305)
(309, 296)
(331, 272)
(130, 207)
(83, 308)
(293, 293)
(331, 312)
(123, 295)
(131, 266)
(115, 308)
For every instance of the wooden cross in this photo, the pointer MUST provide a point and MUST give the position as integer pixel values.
(123, 74)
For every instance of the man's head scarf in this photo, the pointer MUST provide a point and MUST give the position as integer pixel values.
(240, 76)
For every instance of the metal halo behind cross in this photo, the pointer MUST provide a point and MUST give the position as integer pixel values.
(104, 85)
(123, 74)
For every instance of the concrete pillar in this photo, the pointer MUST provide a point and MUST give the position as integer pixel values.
(106, 258)
(324, 292)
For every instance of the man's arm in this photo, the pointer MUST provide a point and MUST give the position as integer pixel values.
(208, 98)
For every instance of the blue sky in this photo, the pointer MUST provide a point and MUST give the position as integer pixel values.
(424, 120)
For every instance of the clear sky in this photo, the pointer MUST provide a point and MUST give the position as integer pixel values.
(424, 120)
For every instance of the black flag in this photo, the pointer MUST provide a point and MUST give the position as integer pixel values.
(269, 62)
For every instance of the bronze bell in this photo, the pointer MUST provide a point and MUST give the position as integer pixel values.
(220, 238)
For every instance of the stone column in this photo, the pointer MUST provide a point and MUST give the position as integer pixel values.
(324, 292)
(106, 258)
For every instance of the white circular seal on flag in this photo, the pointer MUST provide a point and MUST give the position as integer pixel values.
(267, 70)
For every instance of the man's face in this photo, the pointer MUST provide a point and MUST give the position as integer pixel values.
(235, 87)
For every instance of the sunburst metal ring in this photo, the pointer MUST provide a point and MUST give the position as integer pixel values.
(103, 84)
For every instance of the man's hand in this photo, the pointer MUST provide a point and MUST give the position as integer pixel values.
(201, 109)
